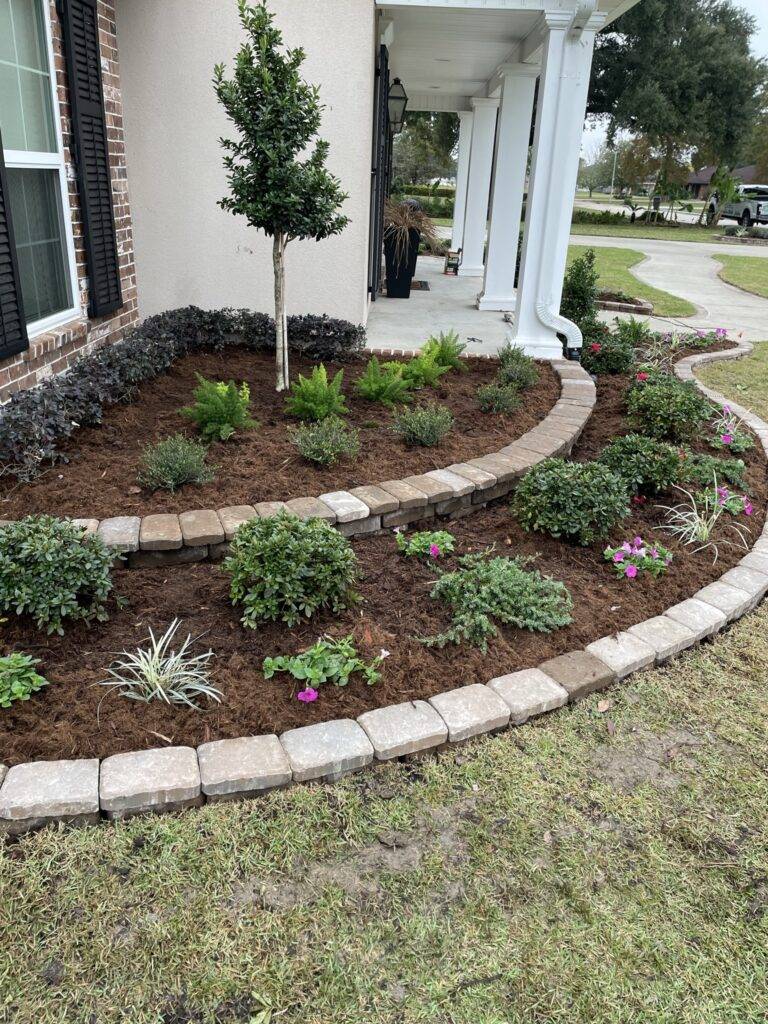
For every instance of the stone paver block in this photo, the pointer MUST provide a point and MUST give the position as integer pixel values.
(246, 765)
(459, 484)
(121, 532)
(505, 467)
(89, 525)
(664, 635)
(407, 496)
(201, 528)
(45, 791)
(360, 527)
(749, 580)
(3, 773)
(481, 478)
(757, 561)
(701, 618)
(470, 711)
(166, 779)
(311, 508)
(571, 413)
(539, 443)
(553, 427)
(407, 516)
(579, 672)
(265, 509)
(402, 729)
(327, 750)
(528, 693)
(347, 507)
(732, 601)
(624, 653)
(156, 559)
(434, 489)
(233, 517)
(377, 499)
(160, 533)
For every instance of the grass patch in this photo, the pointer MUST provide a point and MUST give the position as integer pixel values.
(613, 266)
(745, 380)
(683, 233)
(595, 868)
(747, 272)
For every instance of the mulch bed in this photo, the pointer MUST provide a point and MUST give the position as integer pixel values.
(75, 718)
(261, 464)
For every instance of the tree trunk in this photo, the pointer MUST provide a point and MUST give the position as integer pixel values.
(281, 319)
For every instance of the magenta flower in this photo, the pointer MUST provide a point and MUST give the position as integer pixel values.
(642, 376)
(307, 696)
(619, 556)
(654, 553)
(720, 332)
(434, 551)
(638, 542)
(726, 438)
(748, 509)
(630, 571)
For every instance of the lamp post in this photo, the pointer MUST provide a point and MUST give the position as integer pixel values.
(397, 102)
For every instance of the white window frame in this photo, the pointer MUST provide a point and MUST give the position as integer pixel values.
(24, 160)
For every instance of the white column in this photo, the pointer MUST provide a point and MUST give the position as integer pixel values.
(462, 175)
(510, 163)
(562, 102)
(478, 186)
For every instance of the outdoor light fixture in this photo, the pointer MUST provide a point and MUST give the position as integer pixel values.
(398, 101)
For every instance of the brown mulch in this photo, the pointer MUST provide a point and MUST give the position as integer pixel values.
(261, 464)
(76, 718)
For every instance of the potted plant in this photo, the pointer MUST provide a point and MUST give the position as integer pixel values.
(405, 226)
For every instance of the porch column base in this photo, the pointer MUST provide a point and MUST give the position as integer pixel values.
(501, 304)
(465, 270)
(539, 348)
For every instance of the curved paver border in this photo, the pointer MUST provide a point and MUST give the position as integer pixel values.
(172, 778)
(163, 539)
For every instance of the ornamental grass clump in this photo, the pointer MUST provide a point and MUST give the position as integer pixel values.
(327, 441)
(498, 398)
(316, 397)
(220, 408)
(696, 520)
(327, 661)
(516, 369)
(54, 572)
(18, 678)
(637, 556)
(428, 544)
(383, 384)
(173, 462)
(425, 425)
(484, 591)
(285, 569)
(646, 465)
(668, 409)
(575, 501)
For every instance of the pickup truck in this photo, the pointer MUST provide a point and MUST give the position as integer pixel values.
(750, 208)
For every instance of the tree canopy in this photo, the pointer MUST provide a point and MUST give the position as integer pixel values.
(425, 149)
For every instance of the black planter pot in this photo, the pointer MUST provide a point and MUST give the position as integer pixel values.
(400, 271)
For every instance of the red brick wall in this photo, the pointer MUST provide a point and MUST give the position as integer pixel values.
(55, 351)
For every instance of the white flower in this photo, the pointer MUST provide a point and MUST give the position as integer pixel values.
(384, 653)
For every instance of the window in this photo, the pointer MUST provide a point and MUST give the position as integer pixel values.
(34, 161)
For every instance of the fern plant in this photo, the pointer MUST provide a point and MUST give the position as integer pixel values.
(446, 350)
(383, 384)
(316, 397)
(424, 371)
(220, 408)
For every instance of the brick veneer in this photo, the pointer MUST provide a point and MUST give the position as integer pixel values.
(56, 350)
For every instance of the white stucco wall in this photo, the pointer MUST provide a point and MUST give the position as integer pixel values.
(188, 250)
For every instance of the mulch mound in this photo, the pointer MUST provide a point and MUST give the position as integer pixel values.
(76, 718)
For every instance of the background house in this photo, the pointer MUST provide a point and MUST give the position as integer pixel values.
(699, 181)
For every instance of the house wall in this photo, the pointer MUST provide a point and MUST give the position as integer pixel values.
(56, 350)
(188, 250)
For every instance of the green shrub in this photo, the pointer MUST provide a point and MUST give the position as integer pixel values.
(633, 332)
(670, 409)
(644, 464)
(315, 397)
(220, 409)
(383, 384)
(423, 371)
(486, 589)
(516, 368)
(173, 462)
(326, 441)
(54, 572)
(496, 397)
(426, 425)
(446, 349)
(285, 569)
(427, 544)
(18, 679)
(578, 501)
(702, 470)
(580, 291)
(327, 661)
(608, 353)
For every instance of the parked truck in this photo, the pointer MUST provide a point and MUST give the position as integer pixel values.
(751, 206)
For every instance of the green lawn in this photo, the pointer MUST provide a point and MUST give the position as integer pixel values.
(684, 233)
(747, 272)
(746, 380)
(613, 265)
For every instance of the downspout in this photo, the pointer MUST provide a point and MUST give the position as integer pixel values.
(547, 316)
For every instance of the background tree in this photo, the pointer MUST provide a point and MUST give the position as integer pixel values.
(425, 149)
(278, 116)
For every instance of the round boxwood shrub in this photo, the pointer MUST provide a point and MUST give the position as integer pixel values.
(54, 571)
(669, 409)
(285, 569)
(607, 353)
(644, 464)
(578, 501)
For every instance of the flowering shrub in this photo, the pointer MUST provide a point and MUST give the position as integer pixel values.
(727, 434)
(327, 661)
(643, 463)
(578, 501)
(612, 353)
(736, 504)
(703, 339)
(432, 544)
(633, 557)
(667, 409)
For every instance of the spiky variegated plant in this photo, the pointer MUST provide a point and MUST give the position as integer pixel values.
(277, 115)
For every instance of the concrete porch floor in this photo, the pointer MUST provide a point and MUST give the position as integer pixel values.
(448, 305)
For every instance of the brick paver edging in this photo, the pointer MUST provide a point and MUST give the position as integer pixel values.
(168, 539)
(172, 778)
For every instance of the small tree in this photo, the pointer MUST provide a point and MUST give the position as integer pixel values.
(277, 115)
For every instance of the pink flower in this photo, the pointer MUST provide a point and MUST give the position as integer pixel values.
(619, 556)
(654, 553)
(434, 551)
(642, 376)
(726, 410)
(748, 509)
(720, 332)
(595, 347)
(638, 542)
(307, 696)
(631, 571)
(726, 438)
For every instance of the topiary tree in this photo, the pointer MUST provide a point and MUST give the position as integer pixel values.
(277, 115)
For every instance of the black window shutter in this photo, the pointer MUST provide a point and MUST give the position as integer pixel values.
(80, 22)
(13, 327)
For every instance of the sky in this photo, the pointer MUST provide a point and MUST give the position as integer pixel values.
(594, 135)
